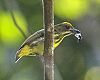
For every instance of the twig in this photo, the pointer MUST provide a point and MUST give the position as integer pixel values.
(11, 5)
(17, 26)
(48, 13)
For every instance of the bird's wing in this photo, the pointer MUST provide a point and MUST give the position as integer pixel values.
(33, 38)
(31, 41)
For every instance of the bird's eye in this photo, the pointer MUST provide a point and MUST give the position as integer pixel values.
(67, 27)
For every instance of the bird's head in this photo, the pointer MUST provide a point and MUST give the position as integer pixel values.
(67, 29)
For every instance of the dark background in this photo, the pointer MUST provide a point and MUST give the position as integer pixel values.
(73, 60)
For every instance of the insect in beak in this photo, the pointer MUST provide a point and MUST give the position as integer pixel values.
(77, 34)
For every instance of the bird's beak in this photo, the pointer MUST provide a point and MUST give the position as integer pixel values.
(77, 33)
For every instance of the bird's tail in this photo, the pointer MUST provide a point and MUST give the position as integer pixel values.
(24, 51)
(17, 58)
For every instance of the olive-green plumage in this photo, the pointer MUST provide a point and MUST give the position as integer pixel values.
(34, 45)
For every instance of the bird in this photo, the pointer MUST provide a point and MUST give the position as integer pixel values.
(34, 44)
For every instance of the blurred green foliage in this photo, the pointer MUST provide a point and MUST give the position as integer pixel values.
(73, 60)
(93, 74)
(9, 33)
(71, 9)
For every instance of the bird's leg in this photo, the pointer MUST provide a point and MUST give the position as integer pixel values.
(41, 58)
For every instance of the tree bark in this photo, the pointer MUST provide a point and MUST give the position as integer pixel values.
(48, 13)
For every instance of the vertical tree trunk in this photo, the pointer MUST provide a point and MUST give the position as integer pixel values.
(48, 13)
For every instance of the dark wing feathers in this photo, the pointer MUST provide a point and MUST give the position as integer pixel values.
(33, 37)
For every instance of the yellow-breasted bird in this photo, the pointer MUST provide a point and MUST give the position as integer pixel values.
(34, 45)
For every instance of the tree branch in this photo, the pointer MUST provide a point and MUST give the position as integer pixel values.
(48, 13)
(11, 5)
(17, 26)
